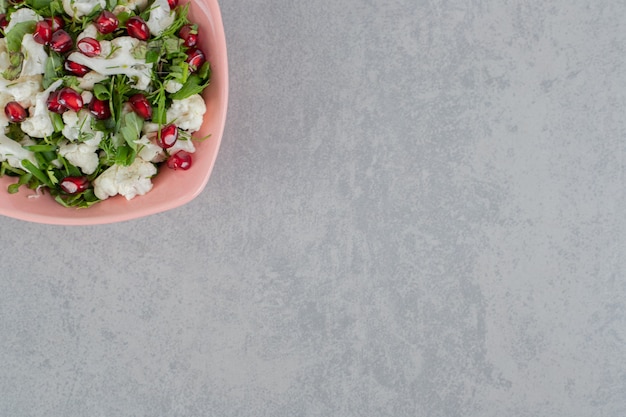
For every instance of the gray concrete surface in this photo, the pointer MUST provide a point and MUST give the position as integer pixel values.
(418, 210)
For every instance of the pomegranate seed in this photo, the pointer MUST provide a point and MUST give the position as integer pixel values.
(167, 137)
(15, 112)
(180, 160)
(106, 22)
(75, 68)
(137, 28)
(43, 32)
(172, 3)
(54, 105)
(73, 185)
(89, 46)
(55, 22)
(61, 41)
(189, 34)
(70, 99)
(100, 109)
(140, 105)
(4, 22)
(195, 59)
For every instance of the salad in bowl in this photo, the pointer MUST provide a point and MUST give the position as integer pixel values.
(98, 97)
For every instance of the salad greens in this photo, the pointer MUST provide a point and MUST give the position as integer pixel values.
(116, 136)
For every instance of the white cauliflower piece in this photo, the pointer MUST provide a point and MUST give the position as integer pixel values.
(4, 99)
(4, 55)
(172, 86)
(83, 155)
(13, 152)
(120, 61)
(128, 181)
(149, 127)
(161, 17)
(90, 31)
(149, 151)
(78, 127)
(22, 90)
(35, 56)
(87, 96)
(87, 81)
(22, 15)
(39, 125)
(187, 113)
(136, 4)
(182, 145)
(80, 8)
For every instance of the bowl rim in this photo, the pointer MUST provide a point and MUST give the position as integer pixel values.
(217, 130)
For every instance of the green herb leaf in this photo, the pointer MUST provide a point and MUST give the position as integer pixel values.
(53, 70)
(131, 129)
(125, 155)
(101, 92)
(152, 56)
(15, 35)
(37, 173)
(81, 200)
(194, 85)
(40, 148)
(57, 122)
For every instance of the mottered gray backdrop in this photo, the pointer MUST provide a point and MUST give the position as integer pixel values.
(417, 210)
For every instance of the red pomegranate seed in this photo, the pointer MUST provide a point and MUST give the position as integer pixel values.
(43, 32)
(137, 28)
(70, 99)
(73, 185)
(189, 34)
(141, 106)
(180, 160)
(15, 112)
(100, 109)
(4, 22)
(168, 136)
(55, 22)
(54, 105)
(75, 68)
(195, 59)
(106, 22)
(172, 3)
(61, 41)
(89, 46)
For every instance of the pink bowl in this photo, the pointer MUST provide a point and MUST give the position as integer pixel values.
(171, 188)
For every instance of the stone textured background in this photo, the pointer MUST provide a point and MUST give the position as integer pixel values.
(418, 210)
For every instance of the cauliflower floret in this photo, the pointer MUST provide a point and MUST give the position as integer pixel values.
(4, 99)
(23, 90)
(83, 155)
(182, 145)
(87, 81)
(78, 127)
(120, 61)
(149, 151)
(87, 96)
(128, 181)
(172, 86)
(149, 127)
(35, 56)
(187, 113)
(4, 55)
(22, 15)
(39, 125)
(13, 152)
(80, 8)
(161, 17)
(136, 4)
(90, 31)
